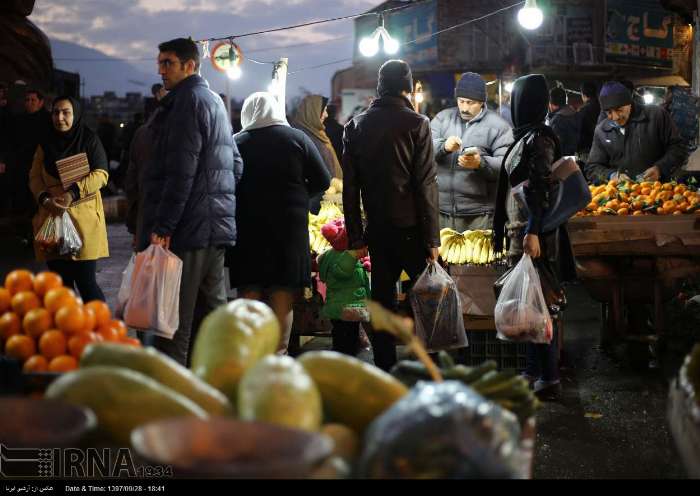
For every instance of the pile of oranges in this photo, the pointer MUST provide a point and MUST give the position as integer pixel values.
(46, 326)
(645, 198)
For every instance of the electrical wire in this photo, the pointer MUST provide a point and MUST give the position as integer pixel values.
(303, 69)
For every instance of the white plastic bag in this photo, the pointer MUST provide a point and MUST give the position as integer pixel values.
(521, 312)
(125, 288)
(155, 292)
(69, 242)
(437, 310)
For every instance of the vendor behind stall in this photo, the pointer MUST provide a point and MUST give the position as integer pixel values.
(638, 142)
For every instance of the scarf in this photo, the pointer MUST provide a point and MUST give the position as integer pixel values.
(79, 138)
(261, 110)
(308, 117)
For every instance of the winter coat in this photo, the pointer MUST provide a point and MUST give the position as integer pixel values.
(282, 170)
(388, 160)
(588, 120)
(189, 187)
(465, 192)
(650, 138)
(566, 126)
(86, 212)
(346, 280)
(139, 155)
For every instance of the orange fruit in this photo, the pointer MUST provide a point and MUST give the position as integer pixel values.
(63, 363)
(679, 189)
(10, 324)
(19, 280)
(20, 347)
(5, 300)
(109, 333)
(669, 205)
(52, 344)
(90, 320)
(132, 342)
(35, 363)
(36, 322)
(623, 211)
(59, 297)
(46, 281)
(661, 211)
(120, 327)
(667, 187)
(70, 319)
(102, 312)
(637, 212)
(77, 343)
(646, 191)
(24, 301)
(678, 212)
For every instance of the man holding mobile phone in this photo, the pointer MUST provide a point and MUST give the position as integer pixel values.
(470, 141)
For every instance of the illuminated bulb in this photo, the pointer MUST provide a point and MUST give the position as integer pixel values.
(648, 98)
(391, 46)
(234, 72)
(419, 98)
(530, 16)
(509, 87)
(369, 46)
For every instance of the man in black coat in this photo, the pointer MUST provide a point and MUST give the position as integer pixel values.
(563, 121)
(334, 130)
(635, 141)
(588, 118)
(188, 198)
(388, 163)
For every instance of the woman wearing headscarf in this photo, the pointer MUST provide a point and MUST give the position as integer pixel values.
(282, 170)
(309, 117)
(82, 200)
(530, 158)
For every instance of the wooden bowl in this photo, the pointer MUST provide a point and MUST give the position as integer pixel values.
(228, 448)
(41, 423)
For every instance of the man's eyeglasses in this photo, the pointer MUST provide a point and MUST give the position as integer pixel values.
(166, 63)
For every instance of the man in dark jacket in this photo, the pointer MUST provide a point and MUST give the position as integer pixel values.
(588, 118)
(334, 130)
(562, 119)
(188, 197)
(388, 163)
(467, 178)
(635, 141)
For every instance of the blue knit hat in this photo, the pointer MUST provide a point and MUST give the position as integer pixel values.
(472, 86)
(614, 95)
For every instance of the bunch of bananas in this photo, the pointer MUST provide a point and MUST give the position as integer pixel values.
(329, 211)
(318, 243)
(470, 247)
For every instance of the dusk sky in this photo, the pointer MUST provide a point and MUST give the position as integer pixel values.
(132, 29)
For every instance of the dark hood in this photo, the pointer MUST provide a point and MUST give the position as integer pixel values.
(529, 104)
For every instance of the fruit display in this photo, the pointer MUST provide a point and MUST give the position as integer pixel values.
(336, 187)
(232, 339)
(46, 327)
(353, 392)
(278, 390)
(470, 247)
(642, 198)
(121, 399)
(329, 211)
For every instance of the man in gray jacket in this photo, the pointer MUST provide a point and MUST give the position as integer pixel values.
(470, 141)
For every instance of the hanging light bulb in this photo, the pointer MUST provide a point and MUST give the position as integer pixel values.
(530, 16)
(648, 98)
(369, 45)
(234, 72)
(509, 87)
(235, 57)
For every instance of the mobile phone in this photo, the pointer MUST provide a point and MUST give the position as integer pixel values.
(470, 150)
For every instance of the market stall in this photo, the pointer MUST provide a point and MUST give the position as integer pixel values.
(635, 243)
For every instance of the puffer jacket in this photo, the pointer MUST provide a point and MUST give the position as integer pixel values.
(388, 162)
(650, 138)
(346, 280)
(466, 192)
(189, 186)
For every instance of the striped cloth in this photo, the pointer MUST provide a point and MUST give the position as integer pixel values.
(72, 169)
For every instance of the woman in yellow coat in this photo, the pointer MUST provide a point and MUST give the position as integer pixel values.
(82, 200)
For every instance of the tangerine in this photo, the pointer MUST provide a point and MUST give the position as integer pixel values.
(19, 280)
(10, 324)
(58, 298)
(132, 342)
(24, 301)
(90, 320)
(102, 312)
(52, 344)
(678, 212)
(36, 322)
(63, 363)
(77, 343)
(20, 347)
(35, 363)
(637, 212)
(5, 300)
(46, 281)
(70, 319)
(109, 333)
(120, 327)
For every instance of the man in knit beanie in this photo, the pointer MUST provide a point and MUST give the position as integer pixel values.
(388, 166)
(469, 141)
(635, 141)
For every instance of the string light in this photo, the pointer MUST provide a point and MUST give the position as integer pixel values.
(369, 45)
